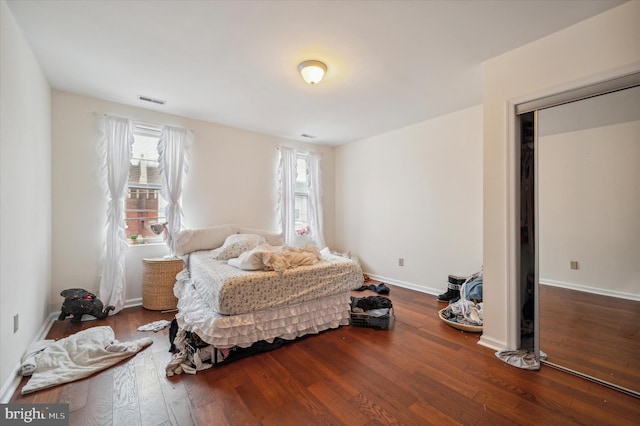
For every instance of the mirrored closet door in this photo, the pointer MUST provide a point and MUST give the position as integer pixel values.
(587, 236)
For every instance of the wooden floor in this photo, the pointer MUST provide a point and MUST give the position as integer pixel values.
(593, 334)
(419, 373)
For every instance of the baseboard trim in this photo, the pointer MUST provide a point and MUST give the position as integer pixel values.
(133, 302)
(491, 343)
(11, 385)
(593, 290)
(404, 284)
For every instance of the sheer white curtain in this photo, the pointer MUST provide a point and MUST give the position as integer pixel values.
(314, 183)
(286, 193)
(116, 152)
(173, 150)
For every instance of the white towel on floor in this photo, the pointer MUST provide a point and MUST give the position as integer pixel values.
(29, 365)
(80, 355)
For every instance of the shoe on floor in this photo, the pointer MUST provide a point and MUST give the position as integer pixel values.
(453, 292)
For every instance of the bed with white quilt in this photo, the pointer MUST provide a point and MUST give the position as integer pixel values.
(242, 291)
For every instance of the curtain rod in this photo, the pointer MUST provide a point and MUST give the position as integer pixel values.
(299, 152)
(150, 126)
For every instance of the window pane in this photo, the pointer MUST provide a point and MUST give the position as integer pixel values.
(302, 197)
(144, 161)
(302, 214)
(301, 175)
(144, 205)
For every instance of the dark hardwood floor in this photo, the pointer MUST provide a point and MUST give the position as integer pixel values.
(421, 372)
(593, 334)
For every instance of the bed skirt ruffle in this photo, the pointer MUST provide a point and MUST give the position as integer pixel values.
(286, 322)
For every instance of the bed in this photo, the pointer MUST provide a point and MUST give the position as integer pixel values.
(233, 305)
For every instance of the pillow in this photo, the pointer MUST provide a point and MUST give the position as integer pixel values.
(273, 238)
(190, 240)
(236, 244)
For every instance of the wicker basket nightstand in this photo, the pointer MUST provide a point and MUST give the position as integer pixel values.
(158, 278)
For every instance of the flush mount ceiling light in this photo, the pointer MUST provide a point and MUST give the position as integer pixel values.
(312, 71)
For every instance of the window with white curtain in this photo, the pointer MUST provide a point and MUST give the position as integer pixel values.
(165, 149)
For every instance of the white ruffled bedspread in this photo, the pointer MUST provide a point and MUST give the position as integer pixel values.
(231, 291)
(286, 322)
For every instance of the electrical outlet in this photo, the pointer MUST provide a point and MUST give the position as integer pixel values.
(401, 261)
(16, 322)
(573, 264)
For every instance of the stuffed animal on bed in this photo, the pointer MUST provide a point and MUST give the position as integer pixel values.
(79, 302)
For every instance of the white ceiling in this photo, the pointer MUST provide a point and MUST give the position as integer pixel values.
(390, 63)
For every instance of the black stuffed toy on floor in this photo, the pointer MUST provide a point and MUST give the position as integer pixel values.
(79, 302)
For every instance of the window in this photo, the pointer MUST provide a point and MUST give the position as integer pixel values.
(299, 197)
(144, 204)
(302, 197)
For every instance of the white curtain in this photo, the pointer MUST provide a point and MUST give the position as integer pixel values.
(173, 150)
(314, 184)
(116, 151)
(286, 193)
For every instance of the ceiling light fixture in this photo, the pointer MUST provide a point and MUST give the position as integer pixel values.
(312, 71)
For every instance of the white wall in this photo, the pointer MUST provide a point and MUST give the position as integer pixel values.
(414, 193)
(25, 194)
(604, 46)
(231, 180)
(589, 205)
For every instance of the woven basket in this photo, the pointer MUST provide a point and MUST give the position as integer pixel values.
(159, 277)
(463, 327)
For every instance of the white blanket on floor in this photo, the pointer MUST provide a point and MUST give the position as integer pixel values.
(78, 356)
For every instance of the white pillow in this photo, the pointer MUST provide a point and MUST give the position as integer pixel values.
(190, 240)
(236, 244)
(273, 238)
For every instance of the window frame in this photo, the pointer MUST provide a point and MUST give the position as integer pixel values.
(149, 131)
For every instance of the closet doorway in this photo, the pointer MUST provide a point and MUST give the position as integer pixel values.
(580, 231)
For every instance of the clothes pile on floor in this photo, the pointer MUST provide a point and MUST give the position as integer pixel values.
(154, 326)
(372, 311)
(192, 354)
(376, 306)
(378, 288)
(465, 300)
(521, 358)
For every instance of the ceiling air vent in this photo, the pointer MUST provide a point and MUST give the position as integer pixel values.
(153, 101)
